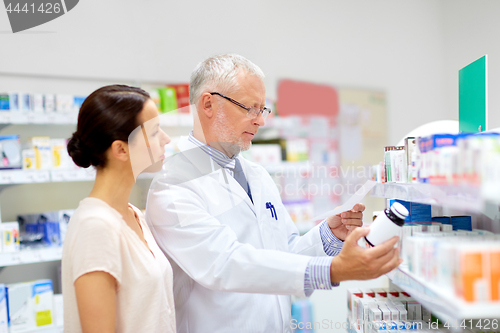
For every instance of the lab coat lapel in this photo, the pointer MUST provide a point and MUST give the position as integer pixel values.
(255, 186)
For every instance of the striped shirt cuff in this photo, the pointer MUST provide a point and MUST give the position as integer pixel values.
(331, 244)
(317, 275)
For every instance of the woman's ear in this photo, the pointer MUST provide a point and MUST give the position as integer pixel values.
(119, 150)
(207, 105)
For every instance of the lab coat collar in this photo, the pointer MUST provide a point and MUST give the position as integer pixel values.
(185, 146)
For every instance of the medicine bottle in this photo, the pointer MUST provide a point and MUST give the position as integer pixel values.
(387, 225)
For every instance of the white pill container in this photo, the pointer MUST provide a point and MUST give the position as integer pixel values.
(387, 225)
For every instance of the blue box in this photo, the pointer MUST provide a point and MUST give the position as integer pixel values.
(461, 223)
(4, 102)
(442, 219)
(418, 212)
(51, 233)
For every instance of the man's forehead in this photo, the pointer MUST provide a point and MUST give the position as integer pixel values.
(251, 86)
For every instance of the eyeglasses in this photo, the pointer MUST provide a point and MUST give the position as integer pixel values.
(252, 112)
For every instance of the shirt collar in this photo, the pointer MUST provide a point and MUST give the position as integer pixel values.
(219, 157)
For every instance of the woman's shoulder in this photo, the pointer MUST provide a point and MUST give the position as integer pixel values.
(93, 212)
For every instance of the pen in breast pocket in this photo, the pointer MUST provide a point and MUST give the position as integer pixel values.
(270, 206)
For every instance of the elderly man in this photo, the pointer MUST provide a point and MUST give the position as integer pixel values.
(236, 254)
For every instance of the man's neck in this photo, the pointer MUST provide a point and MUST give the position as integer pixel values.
(212, 144)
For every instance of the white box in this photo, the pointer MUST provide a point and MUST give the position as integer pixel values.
(10, 152)
(43, 158)
(10, 236)
(64, 103)
(25, 102)
(60, 157)
(363, 313)
(29, 160)
(394, 312)
(58, 310)
(64, 217)
(20, 306)
(38, 103)
(49, 102)
(403, 314)
(43, 303)
(386, 313)
(414, 310)
(374, 313)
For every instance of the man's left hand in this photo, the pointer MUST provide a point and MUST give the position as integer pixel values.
(342, 224)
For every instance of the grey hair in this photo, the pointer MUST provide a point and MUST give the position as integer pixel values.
(219, 74)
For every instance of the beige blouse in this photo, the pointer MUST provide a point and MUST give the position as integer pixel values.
(98, 239)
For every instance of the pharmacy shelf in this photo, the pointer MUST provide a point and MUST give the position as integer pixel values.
(460, 197)
(13, 177)
(30, 256)
(45, 176)
(70, 118)
(444, 305)
(13, 117)
(58, 329)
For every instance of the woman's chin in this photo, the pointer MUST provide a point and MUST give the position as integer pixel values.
(156, 167)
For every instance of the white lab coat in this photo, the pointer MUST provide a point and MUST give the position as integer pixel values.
(234, 264)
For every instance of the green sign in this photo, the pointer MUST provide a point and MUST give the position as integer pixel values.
(472, 96)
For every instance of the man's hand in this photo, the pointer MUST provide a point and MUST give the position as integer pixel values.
(344, 223)
(357, 263)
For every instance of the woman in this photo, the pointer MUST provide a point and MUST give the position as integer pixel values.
(114, 276)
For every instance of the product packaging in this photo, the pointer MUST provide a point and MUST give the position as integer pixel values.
(58, 310)
(182, 94)
(43, 305)
(409, 147)
(414, 310)
(398, 165)
(64, 103)
(297, 150)
(4, 102)
(20, 306)
(48, 223)
(444, 156)
(49, 102)
(387, 163)
(363, 314)
(417, 212)
(63, 217)
(446, 227)
(60, 157)
(42, 149)
(461, 223)
(10, 236)
(25, 101)
(30, 305)
(353, 297)
(442, 219)
(29, 159)
(38, 105)
(77, 102)
(168, 99)
(4, 323)
(10, 152)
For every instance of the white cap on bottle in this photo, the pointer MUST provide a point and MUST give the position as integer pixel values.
(399, 210)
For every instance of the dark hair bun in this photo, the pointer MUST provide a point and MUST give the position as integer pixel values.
(108, 114)
(78, 152)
